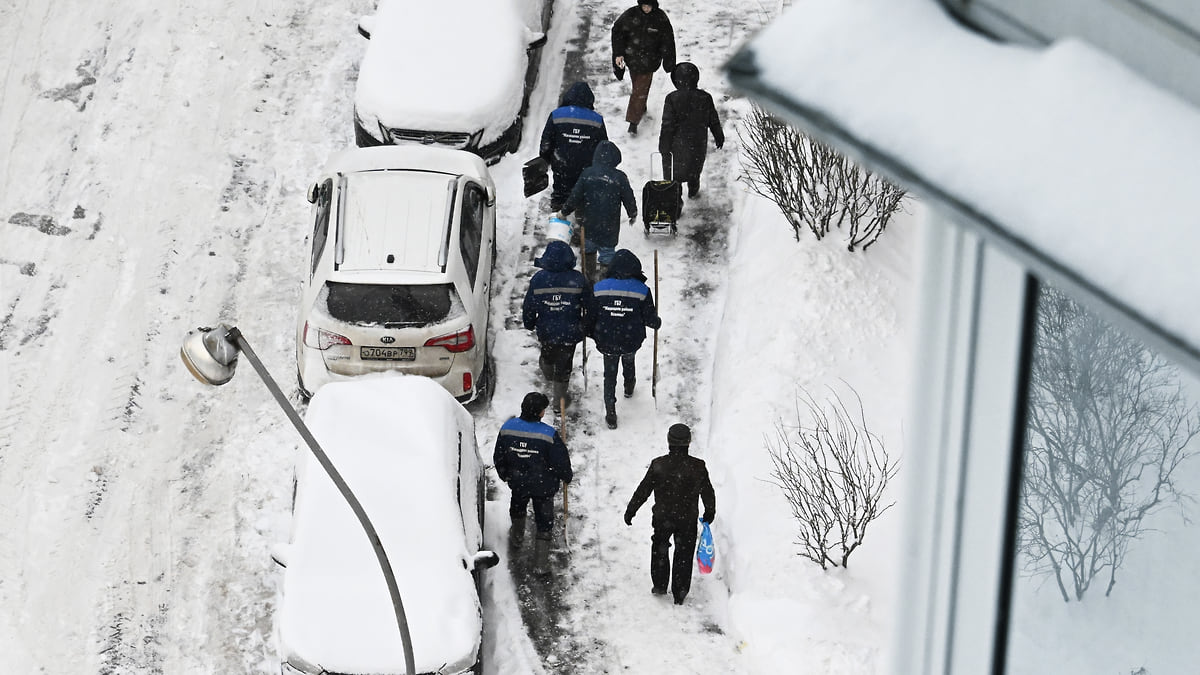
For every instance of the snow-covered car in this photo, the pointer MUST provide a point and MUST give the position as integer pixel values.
(407, 451)
(402, 248)
(455, 73)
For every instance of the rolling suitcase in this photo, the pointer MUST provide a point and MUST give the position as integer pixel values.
(662, 201)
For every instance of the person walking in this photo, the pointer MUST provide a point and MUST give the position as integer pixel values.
(688, 117)
(621, 309)
(598, 195)
(554, 306)
(569, 139)
(532, 458)
(676, 480)
(642, 41)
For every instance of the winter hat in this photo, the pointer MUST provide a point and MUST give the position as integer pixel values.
(652, 3)
(679, 434)
(533, 404)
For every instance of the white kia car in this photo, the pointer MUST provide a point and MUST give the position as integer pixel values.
(403, 243)
(454, 73)
(406, 450)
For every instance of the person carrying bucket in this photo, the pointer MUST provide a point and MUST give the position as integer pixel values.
(598, 195)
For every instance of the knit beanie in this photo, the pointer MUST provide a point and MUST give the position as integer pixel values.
(679, 434)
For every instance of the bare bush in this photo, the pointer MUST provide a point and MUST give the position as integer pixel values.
(833, 472)
(1108, 427)
(813, 185)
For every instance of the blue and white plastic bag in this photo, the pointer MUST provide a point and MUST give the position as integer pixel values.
(705, 553)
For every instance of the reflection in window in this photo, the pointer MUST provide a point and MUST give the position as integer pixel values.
(1106, 551)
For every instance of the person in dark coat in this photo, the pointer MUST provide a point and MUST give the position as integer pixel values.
(598, 196)
(531, 457)
(554, 306)
(676, 480)
(569, 139)
(642, 42)
(621, 310)
(688, 117)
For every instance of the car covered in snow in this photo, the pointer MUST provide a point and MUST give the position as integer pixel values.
(407, 451)
(455, 73)
(402, 247)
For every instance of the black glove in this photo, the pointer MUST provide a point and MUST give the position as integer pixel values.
(628, 518)
(720, 145)
(709, 518)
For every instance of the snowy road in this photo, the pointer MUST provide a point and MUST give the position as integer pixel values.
(155, 159)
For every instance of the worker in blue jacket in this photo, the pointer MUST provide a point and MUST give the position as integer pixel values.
(598, 197)
(569, 140)
(621, 310)
(531, 457)
(554, 306)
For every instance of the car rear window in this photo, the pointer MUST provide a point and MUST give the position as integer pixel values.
(408, 305)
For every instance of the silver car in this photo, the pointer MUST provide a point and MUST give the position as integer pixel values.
(402, 249)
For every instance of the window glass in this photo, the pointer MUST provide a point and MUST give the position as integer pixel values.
(392, 305)
(470, 233)
(321, 225)
(1104, 576)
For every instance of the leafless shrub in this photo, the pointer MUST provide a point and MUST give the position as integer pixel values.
(813, 185)
(1108, 427)
(833, 472)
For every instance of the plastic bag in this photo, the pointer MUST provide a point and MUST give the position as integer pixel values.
(705, 552)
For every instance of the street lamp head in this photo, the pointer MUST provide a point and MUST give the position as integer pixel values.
(210, 354)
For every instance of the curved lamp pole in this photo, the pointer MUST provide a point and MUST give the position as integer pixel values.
(210, 354)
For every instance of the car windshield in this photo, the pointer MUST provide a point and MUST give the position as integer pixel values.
(388, 304)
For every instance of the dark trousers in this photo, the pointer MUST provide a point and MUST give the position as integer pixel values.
(678, 570)
(557, 361)
(543, 511)
(611, 362)
(638, 96)
(564, 181)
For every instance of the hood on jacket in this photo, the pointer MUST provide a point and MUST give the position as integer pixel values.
(685, 76)
(558, 257)
(607, 156)
(625, 265)
(579, 94)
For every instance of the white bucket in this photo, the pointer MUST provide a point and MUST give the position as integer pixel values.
(559, 229)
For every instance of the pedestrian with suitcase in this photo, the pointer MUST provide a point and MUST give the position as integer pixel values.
(689, 115)
(569, 140)
(554, 306)
(642, 42)
(621, 309)
(599, 194)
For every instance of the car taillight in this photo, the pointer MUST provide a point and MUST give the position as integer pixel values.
(454, 342)
(466, 382)
(322, 339)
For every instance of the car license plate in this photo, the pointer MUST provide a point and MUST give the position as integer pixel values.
(387, 353)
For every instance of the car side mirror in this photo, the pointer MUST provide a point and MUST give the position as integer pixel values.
(313, 191)
(486, 560)
(540, 42)
(366, 26)
(279, 553)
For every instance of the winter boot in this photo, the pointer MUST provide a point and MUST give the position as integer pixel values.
(629, 384)
(610, 416)
(541, 553)
(633, 128)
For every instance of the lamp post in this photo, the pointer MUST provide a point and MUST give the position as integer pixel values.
(210, 354)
